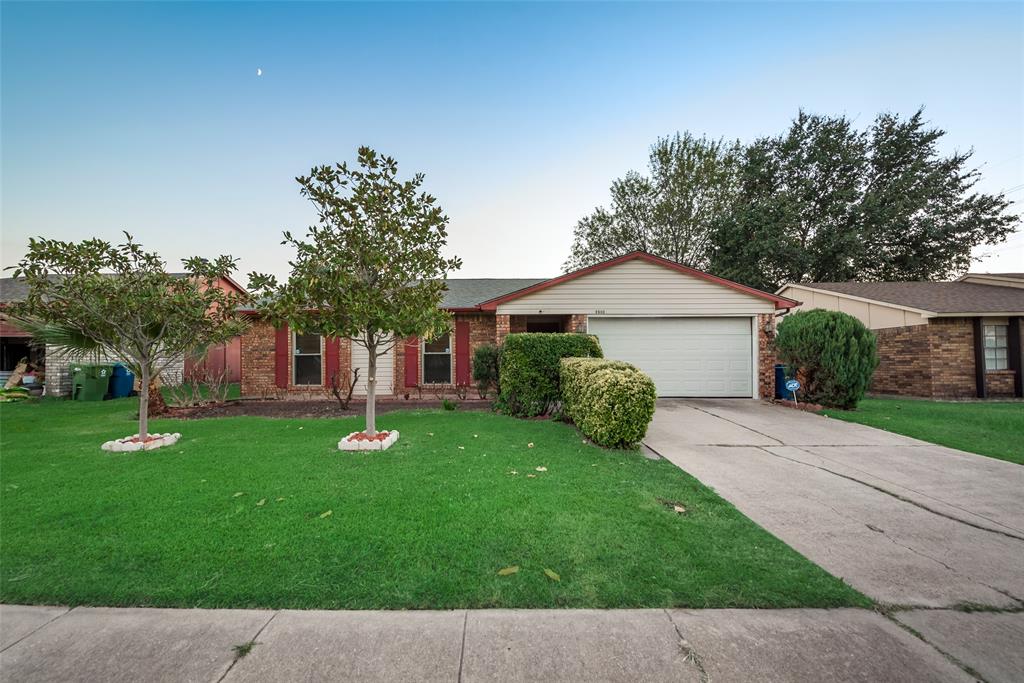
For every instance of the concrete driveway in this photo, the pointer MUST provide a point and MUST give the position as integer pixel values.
(903, 521)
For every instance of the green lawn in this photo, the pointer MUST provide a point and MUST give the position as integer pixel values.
(256, 512)
(988, 428)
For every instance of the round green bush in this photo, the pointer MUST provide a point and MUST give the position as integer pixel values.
(611, 402)
(832, 353)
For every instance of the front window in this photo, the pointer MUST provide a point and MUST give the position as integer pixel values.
(996, 347)
(307, 359)
(437, 360)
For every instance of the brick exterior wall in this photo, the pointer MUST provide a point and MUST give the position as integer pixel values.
(502, 327)
(999, 383)
(258, 344)
(766, 355)
(934, 360)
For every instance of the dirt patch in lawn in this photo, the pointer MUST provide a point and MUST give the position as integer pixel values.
(293, 409)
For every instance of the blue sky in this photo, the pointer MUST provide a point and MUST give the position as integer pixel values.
(151, 118)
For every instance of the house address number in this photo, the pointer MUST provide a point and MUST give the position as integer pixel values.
(598, 311)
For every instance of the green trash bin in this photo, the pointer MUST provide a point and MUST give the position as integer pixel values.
(90, 382)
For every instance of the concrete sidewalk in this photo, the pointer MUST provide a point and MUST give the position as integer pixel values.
(109, 644)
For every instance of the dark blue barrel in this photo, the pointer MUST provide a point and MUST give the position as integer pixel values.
(780, 381)
(121, 382)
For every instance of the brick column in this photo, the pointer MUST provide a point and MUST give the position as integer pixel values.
(502, 327)
(577, 322)
(766, 355)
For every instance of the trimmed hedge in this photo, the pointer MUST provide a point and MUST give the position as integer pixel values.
(485, 368)
(529, 369)
(611, 402)
(832, 353)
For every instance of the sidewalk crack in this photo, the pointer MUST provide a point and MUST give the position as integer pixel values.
(462, 652)
(37, 629)
(252, 641)
(690, 655)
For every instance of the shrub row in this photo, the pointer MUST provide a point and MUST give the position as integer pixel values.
(611, 402)
(529, 369)
(832, 353)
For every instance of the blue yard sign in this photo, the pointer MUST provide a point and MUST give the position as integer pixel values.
(792, 385)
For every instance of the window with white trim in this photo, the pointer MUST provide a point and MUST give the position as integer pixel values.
(437, 360)
(307, 360)
(997, 350)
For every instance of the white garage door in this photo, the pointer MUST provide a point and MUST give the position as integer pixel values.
(385, 370)
(684, 356)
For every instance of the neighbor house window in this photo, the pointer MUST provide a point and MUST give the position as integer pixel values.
(307, 359)
(437, 361)
(996, 347)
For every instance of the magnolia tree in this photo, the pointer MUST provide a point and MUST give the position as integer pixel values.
(370, 269)
(124, 304)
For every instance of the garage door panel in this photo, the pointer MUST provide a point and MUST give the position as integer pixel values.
(684, 356)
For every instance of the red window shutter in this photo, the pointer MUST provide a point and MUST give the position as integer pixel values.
(331, 361)
(412, 362)
(462, 352)
(281, 357)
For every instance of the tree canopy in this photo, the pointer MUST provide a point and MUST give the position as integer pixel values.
(371, 267)
(123, 299)
(822, 201)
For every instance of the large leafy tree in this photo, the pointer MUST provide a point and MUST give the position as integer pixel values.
(826, 202)
(669, 212)
(371, 268)
(119, 300)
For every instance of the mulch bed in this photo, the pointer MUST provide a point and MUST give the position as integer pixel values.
(808, 407)
(290, 408)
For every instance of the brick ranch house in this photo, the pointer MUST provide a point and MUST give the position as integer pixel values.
(695, 334)
(944, 340)
(15, 345)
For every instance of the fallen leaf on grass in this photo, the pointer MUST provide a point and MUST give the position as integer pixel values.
(279, 500)
(529, 445)
(326, 514)
(541, 469)
(462, 448)
(476, 436)
(532, 476)
(551, 575)
(679, 508)
(240, 493)
(512, 472)
(430, 433)
(508, 570)
(263, 501)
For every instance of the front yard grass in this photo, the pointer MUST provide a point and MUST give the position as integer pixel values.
(988, 428)
(257, 512)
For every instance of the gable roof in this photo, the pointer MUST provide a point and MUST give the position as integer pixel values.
(935, 298)
(778, 301)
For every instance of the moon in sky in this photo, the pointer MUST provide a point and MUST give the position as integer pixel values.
(259, 72)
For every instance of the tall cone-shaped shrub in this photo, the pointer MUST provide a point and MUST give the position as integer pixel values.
(833, 353)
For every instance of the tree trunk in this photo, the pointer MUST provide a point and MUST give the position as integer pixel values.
(371, 389)
(144, 402)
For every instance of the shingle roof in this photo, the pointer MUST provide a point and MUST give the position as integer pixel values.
(937, 297)
(468, 292)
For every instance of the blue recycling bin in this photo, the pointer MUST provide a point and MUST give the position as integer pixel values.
(121, 382)
(780, 381)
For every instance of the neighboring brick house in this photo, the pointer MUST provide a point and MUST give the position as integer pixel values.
(945, 340)
(694, 333)
(15, 345)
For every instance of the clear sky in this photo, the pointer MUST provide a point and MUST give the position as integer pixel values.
(151, 117)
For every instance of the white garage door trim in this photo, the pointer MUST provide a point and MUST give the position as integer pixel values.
(676, 388)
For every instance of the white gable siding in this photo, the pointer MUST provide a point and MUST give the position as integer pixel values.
(874, 315)
(638, 288)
